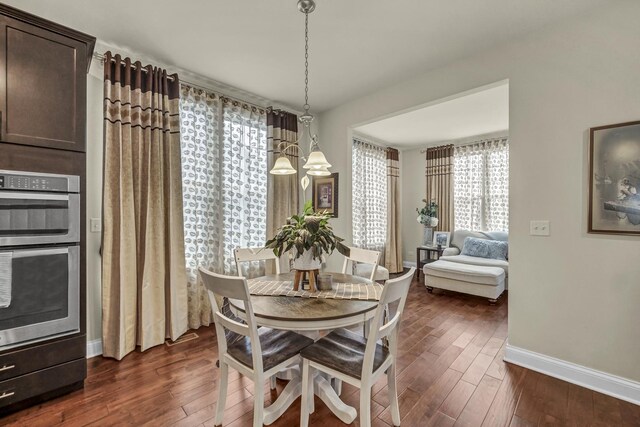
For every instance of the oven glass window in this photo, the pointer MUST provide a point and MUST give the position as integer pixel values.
(21, 217)
(40, 290)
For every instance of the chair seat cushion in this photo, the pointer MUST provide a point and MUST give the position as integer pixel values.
(473, 260)
(343, 351)
(492, 276)
(277, 346)
(364, 270)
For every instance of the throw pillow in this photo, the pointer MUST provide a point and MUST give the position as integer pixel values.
(483, 248)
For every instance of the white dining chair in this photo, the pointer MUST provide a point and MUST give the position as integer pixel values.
(360, 362)
(366, 262)
(243, 255)
(260, 354)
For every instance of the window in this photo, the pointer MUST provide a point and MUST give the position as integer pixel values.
(369, 203)
(481, 186)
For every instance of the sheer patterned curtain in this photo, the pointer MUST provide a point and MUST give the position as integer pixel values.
(224, 181)
(369, 203)
(481, 186)
(244, 189)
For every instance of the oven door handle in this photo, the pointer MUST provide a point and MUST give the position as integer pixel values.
(26, 253)
(32, 196)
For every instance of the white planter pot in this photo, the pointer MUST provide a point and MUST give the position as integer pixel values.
(306, 262)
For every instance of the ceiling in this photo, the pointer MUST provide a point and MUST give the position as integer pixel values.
(357, 46)
(479, 113)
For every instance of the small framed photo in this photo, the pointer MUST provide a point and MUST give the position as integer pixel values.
(441, 238)
(325, 194)
(614, 179)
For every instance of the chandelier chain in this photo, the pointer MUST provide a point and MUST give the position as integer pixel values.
(306, 63)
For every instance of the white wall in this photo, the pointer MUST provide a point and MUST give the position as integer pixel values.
(413, 190)
(572, 295)
(94, 199)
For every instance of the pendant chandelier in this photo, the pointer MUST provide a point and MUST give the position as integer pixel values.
(316, 163)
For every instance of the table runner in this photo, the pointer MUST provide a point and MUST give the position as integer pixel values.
(357, 291)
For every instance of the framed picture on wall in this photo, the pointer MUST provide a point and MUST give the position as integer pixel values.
(325, 194)
(441, 238)
(614, 179)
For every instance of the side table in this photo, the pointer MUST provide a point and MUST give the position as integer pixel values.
(433, 253)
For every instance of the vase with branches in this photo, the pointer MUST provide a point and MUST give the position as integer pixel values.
(428, 216)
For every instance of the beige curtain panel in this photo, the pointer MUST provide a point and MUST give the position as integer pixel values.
(144, 292)
(393, 244)
(439, 173)
(282, 191)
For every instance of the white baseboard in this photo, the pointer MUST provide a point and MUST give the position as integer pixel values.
(408, 264)
(94, 348)
(601, 382)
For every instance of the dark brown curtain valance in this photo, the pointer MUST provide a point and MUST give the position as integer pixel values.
(439, 174)
(440, 152)
(393, 154)
(146, 78)
(282, 119)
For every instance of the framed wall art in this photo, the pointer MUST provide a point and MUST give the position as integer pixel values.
(325, 194)
(614, 179)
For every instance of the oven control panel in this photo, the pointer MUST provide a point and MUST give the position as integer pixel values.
(37, 182)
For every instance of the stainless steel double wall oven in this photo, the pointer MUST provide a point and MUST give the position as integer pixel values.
(39, 256)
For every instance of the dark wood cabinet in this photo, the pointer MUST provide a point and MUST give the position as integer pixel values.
(43, 82)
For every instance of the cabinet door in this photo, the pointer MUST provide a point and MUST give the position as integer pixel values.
(42, 87)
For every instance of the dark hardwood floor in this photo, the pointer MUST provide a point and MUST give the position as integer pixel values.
(450, 373)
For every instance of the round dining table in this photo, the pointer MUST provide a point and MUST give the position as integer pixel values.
(309, 316)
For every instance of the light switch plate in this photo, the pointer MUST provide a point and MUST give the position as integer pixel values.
(95, 225)
(539, 228)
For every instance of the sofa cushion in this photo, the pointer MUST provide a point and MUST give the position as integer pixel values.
(457, 240)
(485, 248)
(483, 262)
(491, 276)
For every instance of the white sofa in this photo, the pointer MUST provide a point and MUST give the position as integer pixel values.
(468, 274)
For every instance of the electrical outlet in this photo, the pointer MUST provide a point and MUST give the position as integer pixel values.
(539, 228)
(95, 225)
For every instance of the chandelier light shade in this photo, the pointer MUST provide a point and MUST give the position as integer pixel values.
(283, 167)
(319, 172)
(316, 163)
(317, 160)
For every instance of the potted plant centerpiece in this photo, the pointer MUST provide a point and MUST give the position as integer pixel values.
(428, 216)
(308, 236)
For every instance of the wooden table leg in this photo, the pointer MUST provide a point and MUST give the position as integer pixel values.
(296, 280)
(312, 280)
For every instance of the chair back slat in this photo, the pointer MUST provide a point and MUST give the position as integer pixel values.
(395, 290)
(232, 325)
(255, 254)
(365, 256)
(225, 286)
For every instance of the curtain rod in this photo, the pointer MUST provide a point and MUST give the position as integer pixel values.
(500, 138)
(100, 57)
(365, 141)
